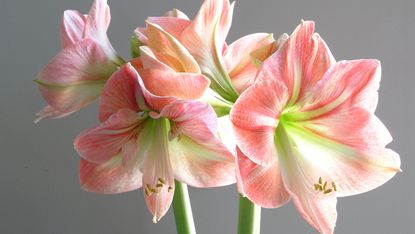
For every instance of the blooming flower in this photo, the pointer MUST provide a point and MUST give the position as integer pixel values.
(306, 130)
(151, 134)
(76, 75)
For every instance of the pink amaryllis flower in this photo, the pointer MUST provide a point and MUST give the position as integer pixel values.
(150, 135)
(306, 130)
(76, 75)
(180, 43)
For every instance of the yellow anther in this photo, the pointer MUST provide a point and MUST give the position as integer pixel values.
(154, 190)
(328, 191)
(325, 186)
(333, 185)
(159, 185)
(147, 192)
(162, 180)
(170, 189)
(320, 181)
(316, 187)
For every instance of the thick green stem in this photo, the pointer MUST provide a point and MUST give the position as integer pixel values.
(249, 220)
(183, 210)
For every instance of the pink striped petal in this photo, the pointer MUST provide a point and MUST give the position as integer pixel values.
(98, 21)
(198, 156)
(120, 92)
(300, 62)
(109, 177)
(103, 142)
(72, 27)
(169, 50)
(345, 84)
(74, 78)
(255, 116)
(179, 85)
(150, 60)
(172, 25)
(240, 60)
(262, 184)
(158, 179)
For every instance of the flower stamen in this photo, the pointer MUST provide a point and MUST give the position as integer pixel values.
(323, 187)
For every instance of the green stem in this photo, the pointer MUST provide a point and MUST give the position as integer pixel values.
(183, 210)
(249, 220)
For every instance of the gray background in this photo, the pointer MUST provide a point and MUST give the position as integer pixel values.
(39, 190)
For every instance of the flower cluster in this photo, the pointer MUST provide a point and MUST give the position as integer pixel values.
(280, 117)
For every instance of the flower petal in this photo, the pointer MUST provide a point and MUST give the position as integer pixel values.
(120, 92)
(300, 62)
(205, 40)
(150, 61)
(109, 177)
(176, 13)
(239, 59)
(103, 142)
(262, 184)
(345, 84)
(74, 78)
(179, 85)
(199, 158)
(158, 176)
(72, 28)
(98, 21)
(255, 116)
(172, 25)
(169, 50)
(353, 170)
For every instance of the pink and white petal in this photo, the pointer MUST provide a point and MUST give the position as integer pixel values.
(74, 78)
(255, 116)
(300, 62)
(99, 144)
(176, 13)
(245, 78)
(169, 50)
(239, 54)
(179, 85)
(141, 34)
(352, 170)
(260, 106)
(172, 25)
(346, 84)
(199, 159)
(352, 126)
(72, 27)
(150, 61)
(301, 170)
(320, 213)
(158, 177)
(109, 177)
(263, 185)
(205, 37)
(98, 21)
(120, 92)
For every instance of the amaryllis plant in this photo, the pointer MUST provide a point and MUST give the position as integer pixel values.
(280, 117)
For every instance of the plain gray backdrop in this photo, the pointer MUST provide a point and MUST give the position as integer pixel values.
(39, 190)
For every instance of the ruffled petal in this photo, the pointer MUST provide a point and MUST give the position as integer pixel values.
(263, 185)
(255, 116)
(170, 83)
(300, 62)
(198, 156)
(72, 28)
(169, 50)
(103, 142)
(74, 78)
(120, 92)
(109, 177)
